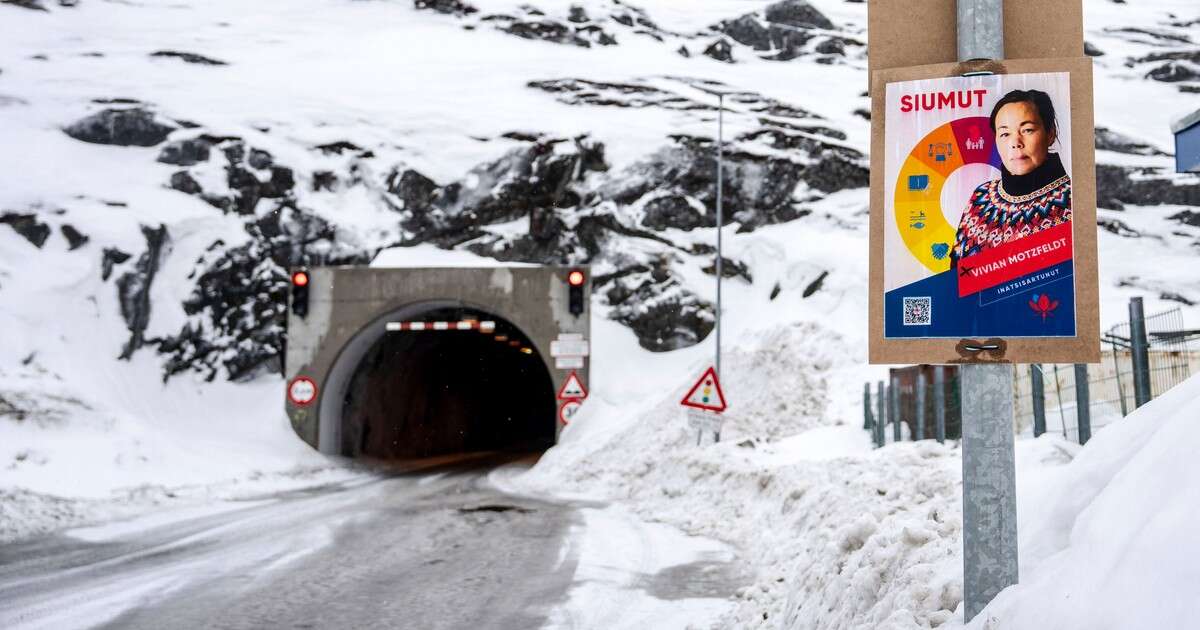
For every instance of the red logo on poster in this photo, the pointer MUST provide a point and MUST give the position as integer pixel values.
(1042, 305)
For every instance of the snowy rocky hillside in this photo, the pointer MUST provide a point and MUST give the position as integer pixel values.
(164, 163)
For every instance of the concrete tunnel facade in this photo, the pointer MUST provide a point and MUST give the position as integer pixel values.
(414, 393)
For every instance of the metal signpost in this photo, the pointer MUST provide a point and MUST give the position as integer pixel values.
(989, 466)
(939, 294)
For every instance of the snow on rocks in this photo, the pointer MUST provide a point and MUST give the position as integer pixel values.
(124, 127)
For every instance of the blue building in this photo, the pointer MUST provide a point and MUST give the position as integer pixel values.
(1187, 143)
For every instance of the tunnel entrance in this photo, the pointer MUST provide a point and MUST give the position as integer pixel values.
(462, 387)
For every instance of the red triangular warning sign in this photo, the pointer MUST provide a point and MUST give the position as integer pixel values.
(572, 388)
(706, 393)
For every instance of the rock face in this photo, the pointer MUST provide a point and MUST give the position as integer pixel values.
(1117, 186)
(720, 50)
(189, 57)
(237, 310)
(250, 174)
(797, 13)
(185, 152)
(133, 289)
(449, 7)
(27, 226)
(75, 239)
(112, 257)
(662, 315)
(1108, 140)
(123, 127)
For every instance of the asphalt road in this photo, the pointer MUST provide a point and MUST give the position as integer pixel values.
(436, 549)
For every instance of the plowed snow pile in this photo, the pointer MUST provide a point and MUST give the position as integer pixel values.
(846, 537)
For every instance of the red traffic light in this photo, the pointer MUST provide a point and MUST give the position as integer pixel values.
(300, 278)
(575, 278)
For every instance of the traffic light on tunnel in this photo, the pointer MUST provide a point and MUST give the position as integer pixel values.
(575, 282)
(300, 292)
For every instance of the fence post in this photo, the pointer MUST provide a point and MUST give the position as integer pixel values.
(920, 435)
(881, 420)
(1141, 353)
(939, 403)
(1037, 388)
(1083, 409)
(894, 398)
(868, 424)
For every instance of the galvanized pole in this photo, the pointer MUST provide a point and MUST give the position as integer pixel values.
(1038, 393)
(989, 468)
(1083, 410)
(939, 403)
(1141, 353)
(920, 435)
(1120, 386)
(720, 212)
(989, 485)
(881, 419)
(894, 399)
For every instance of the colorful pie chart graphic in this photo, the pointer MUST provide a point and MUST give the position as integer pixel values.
(918, 198)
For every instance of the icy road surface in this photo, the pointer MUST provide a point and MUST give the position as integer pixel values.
(438, 549)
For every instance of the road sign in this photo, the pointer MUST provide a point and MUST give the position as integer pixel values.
(568, 363)
(302, 391)
(704, 420)
(572, 388)
(568, 410)
(706, 393)
(569, 348)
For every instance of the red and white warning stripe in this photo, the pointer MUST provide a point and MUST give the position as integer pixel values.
(466, 324)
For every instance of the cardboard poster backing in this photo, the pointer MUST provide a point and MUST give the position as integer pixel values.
(1084, 347)
(904, 33)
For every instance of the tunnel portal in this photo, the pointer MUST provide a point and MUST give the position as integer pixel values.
(367, 377)
(426, 392)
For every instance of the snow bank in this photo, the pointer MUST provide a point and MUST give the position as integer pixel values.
(1110, 542)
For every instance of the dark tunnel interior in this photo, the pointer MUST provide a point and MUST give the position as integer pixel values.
(437, 392)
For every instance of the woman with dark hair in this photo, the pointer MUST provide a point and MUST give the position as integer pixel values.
(1033, 192)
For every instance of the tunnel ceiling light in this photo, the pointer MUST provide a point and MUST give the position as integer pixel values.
(575, 278)
(501, 338)
(527, 350)
(514, 343)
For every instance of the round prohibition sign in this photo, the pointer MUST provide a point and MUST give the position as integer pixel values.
(302, 391)
(568, 410)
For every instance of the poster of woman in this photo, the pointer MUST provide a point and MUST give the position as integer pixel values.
(977, 208)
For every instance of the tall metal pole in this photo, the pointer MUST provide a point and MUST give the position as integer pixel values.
(1083, 409)
(939, 403)
(989, 467)
(720, 212)
(1037, 387)
(1140, 348)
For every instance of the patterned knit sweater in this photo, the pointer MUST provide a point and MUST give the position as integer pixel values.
(1013, 207)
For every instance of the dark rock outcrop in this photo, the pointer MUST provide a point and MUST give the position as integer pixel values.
(721, 50)
(237, 310)
(75, 239)
(797, 13)
(674, 211)
(133, 289)
(189, 57)
(112, 257)
(185, 152)
(660, 312)
(1108, 140)
(449, 7)
(1117, 186)
(123, 127)
(1187, 217)
(749, 31)
(27, 226)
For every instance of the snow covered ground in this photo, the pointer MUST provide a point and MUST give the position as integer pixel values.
(843, 536)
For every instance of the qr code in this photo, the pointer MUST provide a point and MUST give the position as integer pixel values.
(918, 311)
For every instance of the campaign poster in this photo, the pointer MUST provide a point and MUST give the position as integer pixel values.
(977, 208)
